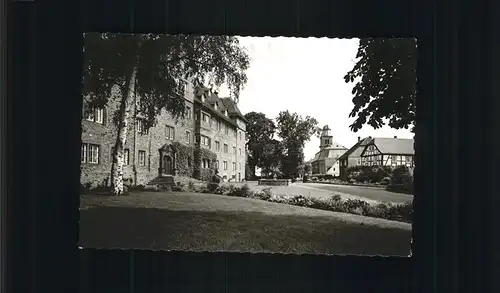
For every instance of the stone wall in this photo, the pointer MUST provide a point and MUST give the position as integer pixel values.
(105, 134)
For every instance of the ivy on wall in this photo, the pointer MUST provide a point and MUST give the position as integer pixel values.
(184, 155)
(200, 173)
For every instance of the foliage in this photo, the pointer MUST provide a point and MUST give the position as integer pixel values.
(370, 174)
(161, 62)
(259, 132)
(385, 77)
(294, 130)
(401, 180)
(184, 154)
(204, 174)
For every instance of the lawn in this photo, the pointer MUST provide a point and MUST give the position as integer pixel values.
(204, 222)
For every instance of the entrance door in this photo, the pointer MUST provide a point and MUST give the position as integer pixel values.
(167, 165)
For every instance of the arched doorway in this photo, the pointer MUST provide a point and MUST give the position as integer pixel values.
(167, 164)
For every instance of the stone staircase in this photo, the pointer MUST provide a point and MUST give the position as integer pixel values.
(166, 182)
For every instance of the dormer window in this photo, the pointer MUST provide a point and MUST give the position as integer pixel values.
(225, 112)
(203, 98)
(215, 106)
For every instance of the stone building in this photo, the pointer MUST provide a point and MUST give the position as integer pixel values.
(211, 136)
(326, 161)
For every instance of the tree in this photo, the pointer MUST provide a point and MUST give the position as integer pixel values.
(271, 156)
(294, 130)
(385, 88)
(151, 67)
(260, 131)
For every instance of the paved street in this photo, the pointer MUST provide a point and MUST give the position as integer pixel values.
(370, 194)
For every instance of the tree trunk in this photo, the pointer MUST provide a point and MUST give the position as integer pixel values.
(122, 130)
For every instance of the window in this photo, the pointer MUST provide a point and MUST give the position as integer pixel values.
(217, 146)
(205, 141)
(240, 151)
(180, 88)
(205, 118)
(219, 125)
(224, 165)
(226, 129)
(197, 139)
(217, 165)
(126, 153)
(234, 150)
(240, 166)
(188, 137)
(188, 113)
(169, 132)
(214, 122)
(226, 149)
(234, 166)
(142, 158)
(189, 161)
(141, 128)
(95, 114)
(205, 163)
(90, 153)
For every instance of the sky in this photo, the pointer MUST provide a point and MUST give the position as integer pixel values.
(305, 75)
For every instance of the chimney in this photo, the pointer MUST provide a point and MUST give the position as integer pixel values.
(359, 138)
(395, 136)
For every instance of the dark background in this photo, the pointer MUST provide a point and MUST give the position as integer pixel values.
(453, 243)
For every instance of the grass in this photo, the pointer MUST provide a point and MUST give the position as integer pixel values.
(205, 222)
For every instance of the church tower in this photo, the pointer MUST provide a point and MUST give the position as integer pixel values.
(326, 137)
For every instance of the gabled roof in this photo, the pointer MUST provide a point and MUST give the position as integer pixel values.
(403, 146)
(223, 104)
(356, 149)
(232, 108)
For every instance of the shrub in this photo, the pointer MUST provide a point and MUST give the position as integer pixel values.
(243, 191)
(85, 188)
(177, 188)
(300, 200)
(267, 193)
(385, 181)
(191, 186)
(212, 187)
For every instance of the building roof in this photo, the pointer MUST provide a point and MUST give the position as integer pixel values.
(402, 146)
(211, 98)
(329, 152)
(356, 149)
(232, 108)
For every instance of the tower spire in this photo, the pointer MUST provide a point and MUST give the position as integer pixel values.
(326, 138)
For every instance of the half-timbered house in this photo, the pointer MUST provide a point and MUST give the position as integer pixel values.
(390, 152)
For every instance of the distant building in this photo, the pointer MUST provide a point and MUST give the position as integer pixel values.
(352, 157)
(326, 161)
(391, 152)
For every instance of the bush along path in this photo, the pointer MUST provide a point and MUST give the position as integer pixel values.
(394, 212)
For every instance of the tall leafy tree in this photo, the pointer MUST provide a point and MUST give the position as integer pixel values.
(385, 83)
(260, 132)
(295, 131)
(151, 67)
(271, 156)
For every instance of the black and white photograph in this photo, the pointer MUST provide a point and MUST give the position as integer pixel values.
(248, 144)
